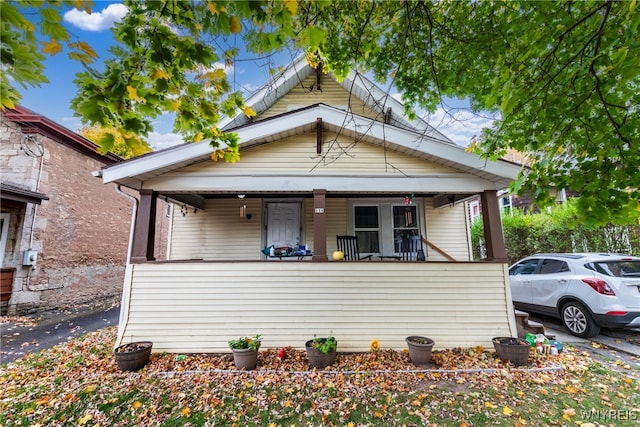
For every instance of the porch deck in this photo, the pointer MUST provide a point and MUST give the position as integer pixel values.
(196, 307)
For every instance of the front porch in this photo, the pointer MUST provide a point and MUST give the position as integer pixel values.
(196, 307)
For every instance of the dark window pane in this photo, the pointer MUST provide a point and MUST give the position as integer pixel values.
(366, 216)
(524, 267)
(550, 266)
(405, 216)
(368, 241)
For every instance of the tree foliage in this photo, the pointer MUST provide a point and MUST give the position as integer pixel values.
(564, 76)
(560, 229)
(110, 140)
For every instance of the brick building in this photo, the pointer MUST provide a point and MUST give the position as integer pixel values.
(64, 234)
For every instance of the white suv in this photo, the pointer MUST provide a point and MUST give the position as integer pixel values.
(585, 290)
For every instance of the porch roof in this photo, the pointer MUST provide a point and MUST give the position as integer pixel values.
(422, 145)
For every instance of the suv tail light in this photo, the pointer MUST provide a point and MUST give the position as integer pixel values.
(599, 285)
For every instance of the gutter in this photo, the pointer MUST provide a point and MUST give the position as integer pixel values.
(126, 288)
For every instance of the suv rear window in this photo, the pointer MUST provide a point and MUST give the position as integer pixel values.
(616, 268)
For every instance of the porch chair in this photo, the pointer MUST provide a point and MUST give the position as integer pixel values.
(411, 249)
(348, 245)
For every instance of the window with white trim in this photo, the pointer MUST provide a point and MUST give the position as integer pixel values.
(380, 226)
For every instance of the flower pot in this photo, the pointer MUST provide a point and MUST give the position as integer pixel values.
(133, 356)
(419, 349)
(318, 359)
(513, 350)
(245, 358)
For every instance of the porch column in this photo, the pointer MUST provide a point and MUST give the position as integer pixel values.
(493, 237)
(142, 249)
(319, 226)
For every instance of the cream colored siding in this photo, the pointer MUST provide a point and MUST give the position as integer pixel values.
(306, 94)
(447, 229)
(337, 222)
(198, 307)
(218, 232)
(298, 154)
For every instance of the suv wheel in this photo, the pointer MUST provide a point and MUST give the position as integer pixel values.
(578, 320)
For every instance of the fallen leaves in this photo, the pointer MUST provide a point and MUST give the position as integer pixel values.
(78, 383)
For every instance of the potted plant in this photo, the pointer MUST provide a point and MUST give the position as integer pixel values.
(245, 351)
(321, 352)
(133, 356)
(514, 350)
(419, 349)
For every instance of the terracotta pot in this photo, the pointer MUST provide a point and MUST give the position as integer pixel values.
(133, 356)
(245, 358)
(318, 359)
(419, 349)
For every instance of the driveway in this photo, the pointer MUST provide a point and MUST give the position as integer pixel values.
(17, 340)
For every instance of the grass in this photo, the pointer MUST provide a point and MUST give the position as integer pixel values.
(78, 383)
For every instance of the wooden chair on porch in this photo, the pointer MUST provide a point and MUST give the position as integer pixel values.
(411, 249)
(348, 245)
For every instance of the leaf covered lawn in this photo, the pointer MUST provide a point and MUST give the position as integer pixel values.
(79, 384)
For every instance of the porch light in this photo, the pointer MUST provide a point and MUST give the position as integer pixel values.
(244, 213)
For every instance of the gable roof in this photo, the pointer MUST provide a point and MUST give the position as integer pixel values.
(355, 83)
(134, 172)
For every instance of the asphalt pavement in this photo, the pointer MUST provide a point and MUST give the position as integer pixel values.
(51, 329)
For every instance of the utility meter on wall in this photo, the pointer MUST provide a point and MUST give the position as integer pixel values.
(30, 257)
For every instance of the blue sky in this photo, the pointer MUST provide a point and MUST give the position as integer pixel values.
(53, 100)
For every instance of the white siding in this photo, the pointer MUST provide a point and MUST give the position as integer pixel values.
(447, 228)
(197, 307)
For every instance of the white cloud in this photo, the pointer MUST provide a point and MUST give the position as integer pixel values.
(459, 125)
(160, 141)
(96, 21)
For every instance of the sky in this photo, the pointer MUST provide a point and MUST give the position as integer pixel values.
(53, 99)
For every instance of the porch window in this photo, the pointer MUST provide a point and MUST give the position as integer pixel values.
(381, 225)
(367, 228)
(405, 224)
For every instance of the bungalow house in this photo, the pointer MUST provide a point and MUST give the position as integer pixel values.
(322, 158)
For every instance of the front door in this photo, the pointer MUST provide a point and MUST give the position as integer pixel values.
(283, 224)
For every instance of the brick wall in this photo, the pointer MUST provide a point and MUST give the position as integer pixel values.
(81, 233)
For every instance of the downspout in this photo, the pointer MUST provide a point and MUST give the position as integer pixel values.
(126, 288)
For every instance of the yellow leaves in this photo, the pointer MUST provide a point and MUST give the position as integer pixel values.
(627, 380)
(84, 420)
(199, 136)
(234, 24)
(568, 413)
(88, 54)
(133, 94)
(52, 47)
(248, 111)
(572, 389)
(374, 345)
(137, 404)
(489, 405)
(213, 8)
(292, 5)
(159, 73)
(287, 403)
(186, 412)
(507, 411)
(90, 388)
(595, 344)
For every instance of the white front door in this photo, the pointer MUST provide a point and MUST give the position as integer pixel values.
(283, 224)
